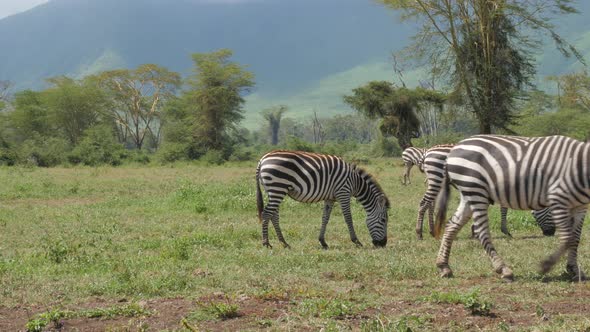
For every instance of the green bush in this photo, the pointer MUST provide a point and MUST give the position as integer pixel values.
(8, 157)
(98, 147)
(213, 157)
(44, 152)
(386, 147)
(297, 144)
(171, 151)
(138, 156)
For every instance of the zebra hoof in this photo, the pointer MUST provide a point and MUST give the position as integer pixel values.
(267, 244)
(419, 235)
(446, 272)
(577, 275)
(358, 243)
(507, 233)
(546, 266)
(286, 246)
(507, 274)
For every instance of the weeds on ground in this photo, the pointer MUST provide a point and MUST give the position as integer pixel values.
(471, 301)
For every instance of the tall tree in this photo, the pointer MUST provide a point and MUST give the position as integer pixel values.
(396, 107)
(575, 90)
(479, 45)
(137, 99)
(30, 116)
(274, 115)
(215, 94)
(73, 106)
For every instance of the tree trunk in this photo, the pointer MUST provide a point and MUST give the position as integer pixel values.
(274, 139)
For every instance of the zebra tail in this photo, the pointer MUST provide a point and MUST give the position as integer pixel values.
(442, 202)
(259, 199)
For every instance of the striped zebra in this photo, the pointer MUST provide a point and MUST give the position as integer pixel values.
(412, 156)
(312, 177)
(520, 173)
(433, 164)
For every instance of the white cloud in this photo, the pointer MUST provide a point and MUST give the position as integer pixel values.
(11, 7)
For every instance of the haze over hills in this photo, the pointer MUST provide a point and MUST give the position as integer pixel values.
(305, 53)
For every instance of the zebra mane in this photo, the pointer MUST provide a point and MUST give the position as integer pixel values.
(371, 181)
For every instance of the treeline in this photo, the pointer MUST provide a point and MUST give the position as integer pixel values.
(150, 114)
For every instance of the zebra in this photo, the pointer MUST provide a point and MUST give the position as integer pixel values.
(312, 177)
(433, 164)
(412, 156)
(520, 173)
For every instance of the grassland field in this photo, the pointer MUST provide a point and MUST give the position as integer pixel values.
(178, 248)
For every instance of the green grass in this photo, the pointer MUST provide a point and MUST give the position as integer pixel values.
(70, 235)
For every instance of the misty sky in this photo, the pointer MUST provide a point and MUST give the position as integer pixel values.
(11, 7)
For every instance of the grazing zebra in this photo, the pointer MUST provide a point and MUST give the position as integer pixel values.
(520, 173)
(312, 177)
(412, 156)
(433, 164)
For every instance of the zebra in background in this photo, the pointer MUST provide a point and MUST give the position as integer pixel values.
(433, 164)
(520, 173)
(312, 177)
(412, 156)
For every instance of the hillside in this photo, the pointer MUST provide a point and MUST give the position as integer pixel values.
(305, 53)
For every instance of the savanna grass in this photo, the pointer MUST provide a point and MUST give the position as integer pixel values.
(69, 234)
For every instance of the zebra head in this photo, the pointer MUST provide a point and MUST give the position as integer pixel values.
(377, 221)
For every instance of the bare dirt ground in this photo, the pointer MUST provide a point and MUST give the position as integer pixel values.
(260, 314)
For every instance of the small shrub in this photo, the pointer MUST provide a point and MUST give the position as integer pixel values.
(220, 310)
(98, 147)
(170, 152)
(294, 143)
(325, 308)
(59, 251)
(213, 157)
(471, 301)
(44, 152)
(8, 157)
(138, 156)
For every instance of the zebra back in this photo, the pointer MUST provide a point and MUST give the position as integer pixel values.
(413, 155)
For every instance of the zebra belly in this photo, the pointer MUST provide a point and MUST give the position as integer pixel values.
(308, 197)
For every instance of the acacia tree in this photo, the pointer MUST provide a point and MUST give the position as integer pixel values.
(137, 98)
(479, 46)
(215, 97)
(274, 115)
(396, 107)
(574, 90)
(73, 106)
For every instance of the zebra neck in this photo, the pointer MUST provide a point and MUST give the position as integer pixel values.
(364, 190)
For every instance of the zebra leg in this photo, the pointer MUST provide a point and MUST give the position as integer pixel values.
(407, 173)
(271, 212)
(344, 201)
(563, 220)
(431, 218)
(275, 223)
(482, 230)
(328, 205)
(454, 225)
(504, 227)
(265, 242)
(572, 258)
(424, 205)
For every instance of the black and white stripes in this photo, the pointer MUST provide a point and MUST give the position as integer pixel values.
(412, 156)
(433, 164)
(311, 177)
(519, 173)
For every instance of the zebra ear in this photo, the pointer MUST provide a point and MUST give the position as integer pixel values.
(383, 202)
